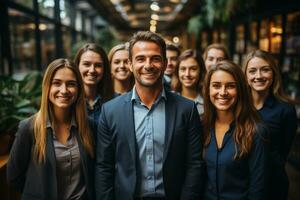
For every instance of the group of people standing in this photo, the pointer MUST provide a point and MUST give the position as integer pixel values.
(147, 122)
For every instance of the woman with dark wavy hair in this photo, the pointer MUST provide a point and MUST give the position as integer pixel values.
(189, 77)
(235, 148)
(277, 111)
(93, 65)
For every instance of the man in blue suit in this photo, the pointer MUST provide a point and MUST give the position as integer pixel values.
(149, 140)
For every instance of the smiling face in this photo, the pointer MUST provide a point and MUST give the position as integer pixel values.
(91, 68)
(213, 56)
(189, 73)
(147, 64)
(172, 58)
(223, 91)
(259, 75)
(64, 89)
(119, 65)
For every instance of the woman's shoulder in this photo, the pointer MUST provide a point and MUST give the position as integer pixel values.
(26, 125)
(262, 132)
(284, 105)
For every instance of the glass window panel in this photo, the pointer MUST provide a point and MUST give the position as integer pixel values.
(240, 39)
(26, 3)
(252, 43)
(276, 34)
(78, 21)
(46, 7)
(293, 33)
(223, 37)
(22, 29)
(215, 37)
(204, 40)
(88, 25)
(67, 44)
(65, 12)
(47, 43)
(264, 35)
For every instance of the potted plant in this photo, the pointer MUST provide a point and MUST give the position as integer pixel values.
(19, 98)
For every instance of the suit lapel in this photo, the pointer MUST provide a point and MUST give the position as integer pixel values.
(170, 111)
(129, 125)
(50, 152)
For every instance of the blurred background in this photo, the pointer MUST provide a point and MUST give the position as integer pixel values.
(34, 32)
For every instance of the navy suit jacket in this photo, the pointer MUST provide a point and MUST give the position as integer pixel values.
(38, 181)
(116, 156)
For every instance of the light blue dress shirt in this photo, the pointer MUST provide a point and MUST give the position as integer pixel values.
(150, 138)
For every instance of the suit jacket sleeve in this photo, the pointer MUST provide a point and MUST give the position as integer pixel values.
(105, 162)
(20, 156)
(195, 173)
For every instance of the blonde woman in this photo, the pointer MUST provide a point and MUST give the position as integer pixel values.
(52, 155)
(276, 110)
(122, 77)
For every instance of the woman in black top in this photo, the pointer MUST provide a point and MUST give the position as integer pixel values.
(277, 111)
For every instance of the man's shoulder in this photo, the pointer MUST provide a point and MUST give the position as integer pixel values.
(175, 98)
(118, 101)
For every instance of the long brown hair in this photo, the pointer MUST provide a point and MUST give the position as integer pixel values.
(190, 53)
(276, 88)
(105, 87)
(245, 115)
(79, 109)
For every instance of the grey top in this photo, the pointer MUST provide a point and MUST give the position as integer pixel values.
(70, 183)
(150, 137)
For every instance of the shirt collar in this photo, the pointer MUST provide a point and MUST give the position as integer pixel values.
(135, 96)
(96, 102)
(73, 122)
(167, 79)
(198, 99)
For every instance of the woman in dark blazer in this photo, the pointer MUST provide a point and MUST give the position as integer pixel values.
(276, 110)
(52, 155)
(235, 148)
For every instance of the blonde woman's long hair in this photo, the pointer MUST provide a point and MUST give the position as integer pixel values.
(46, 110)
(245, 115)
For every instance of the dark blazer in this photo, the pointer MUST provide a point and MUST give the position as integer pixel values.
(116, 157)
(38, 181)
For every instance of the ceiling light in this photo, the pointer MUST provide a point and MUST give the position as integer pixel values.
(176, 39)
(154, 6)
(153, 29)
(155, 17)
(153, 22)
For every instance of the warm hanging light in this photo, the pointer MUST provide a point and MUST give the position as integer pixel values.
(154, 6)
(153, 28)
(153, 22)
(155, 17)
(176, 39)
